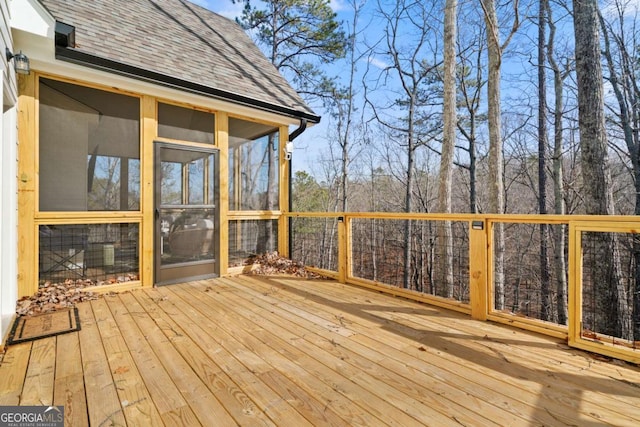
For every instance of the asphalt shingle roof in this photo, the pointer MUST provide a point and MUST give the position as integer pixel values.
(181, 40)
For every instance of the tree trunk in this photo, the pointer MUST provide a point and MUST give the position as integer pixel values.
(559, 231)
(473, 203)
(345, 135)
(408, 201)
(627, 117)
(545, 306)
(496, 183)
(445, 239)
(606, 269)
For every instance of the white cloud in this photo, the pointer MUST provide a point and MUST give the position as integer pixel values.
(377, 63)
(337, 5)
(226, 9)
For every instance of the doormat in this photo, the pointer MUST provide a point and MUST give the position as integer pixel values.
(29, 328)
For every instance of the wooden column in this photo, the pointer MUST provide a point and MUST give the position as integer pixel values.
(27, 182)
(222, 139)
(283, 170)
(344, 249)
(478, 269)
(149, 132)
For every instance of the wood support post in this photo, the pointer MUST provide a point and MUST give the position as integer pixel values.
(478, 269)
(149, 132)
(344, 249)
(222, 139)
(27, 182)
(283, 170)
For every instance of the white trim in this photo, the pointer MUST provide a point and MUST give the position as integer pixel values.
(31, 17)
(8, 218)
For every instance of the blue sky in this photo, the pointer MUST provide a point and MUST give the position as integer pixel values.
(517, 73)
(230, 10)
(223, 7)
(312, 146)
(309, 146)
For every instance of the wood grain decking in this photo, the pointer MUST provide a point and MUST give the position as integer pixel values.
(260, 351)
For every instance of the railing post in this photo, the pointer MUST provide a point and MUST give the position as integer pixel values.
(344, 237)
(478, 262)
(574, 291)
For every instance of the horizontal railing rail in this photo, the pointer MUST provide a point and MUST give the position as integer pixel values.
(574, 277)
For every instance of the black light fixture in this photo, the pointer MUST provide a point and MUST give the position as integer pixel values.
(20, 61)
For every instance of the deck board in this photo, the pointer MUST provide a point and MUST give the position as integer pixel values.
(232, 401)
(187, 382)
(103, 405)
(241, 363)
(39, 382)
(308, 366)
(422, 401)
(398, 373)
(69, 388)
(13, 371)
(272, 348)
(281, 351)
(564, 392)
(137, 405)
(546, 367)
(164, 393)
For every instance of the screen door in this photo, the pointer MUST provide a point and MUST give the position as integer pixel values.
(186, 215)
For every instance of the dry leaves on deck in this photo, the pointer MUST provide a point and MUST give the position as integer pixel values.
(271, 263)
(55, 296)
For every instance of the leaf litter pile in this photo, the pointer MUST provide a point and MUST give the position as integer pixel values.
(55, 296)
(272, 263)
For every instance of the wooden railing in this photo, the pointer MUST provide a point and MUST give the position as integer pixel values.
(560, 294)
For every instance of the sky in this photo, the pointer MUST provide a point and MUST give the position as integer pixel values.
(312, 144)
(223, 7)
(230, 10)
(309, 145)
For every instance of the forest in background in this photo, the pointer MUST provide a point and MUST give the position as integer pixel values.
(370, 134)
(482, 106)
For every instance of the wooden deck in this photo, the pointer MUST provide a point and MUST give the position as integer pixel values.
(283, 351)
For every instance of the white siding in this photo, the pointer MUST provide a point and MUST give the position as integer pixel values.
(8, 181)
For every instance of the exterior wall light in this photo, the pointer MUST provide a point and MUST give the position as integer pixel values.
(288, 150)
(20, 61)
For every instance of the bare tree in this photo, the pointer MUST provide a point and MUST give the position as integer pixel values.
(496, 185)
(606, 269)
(471, 84)
(413, 73)
(621, 60)
(560, 265)
(445, 239)
(543, 142)
(343, 105)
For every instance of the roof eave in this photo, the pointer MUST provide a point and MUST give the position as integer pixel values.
(82, 58)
